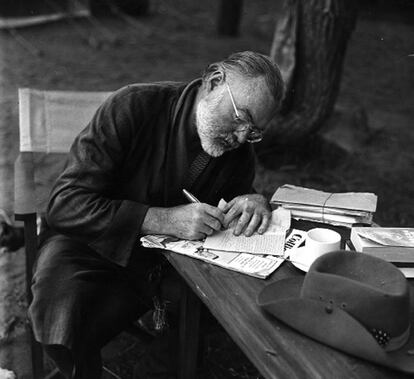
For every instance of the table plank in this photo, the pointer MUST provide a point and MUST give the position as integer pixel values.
(275, 349)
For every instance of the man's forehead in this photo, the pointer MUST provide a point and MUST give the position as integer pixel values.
(246, 81)
(249, 88)
(253, 94)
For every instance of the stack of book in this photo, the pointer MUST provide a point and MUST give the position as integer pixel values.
(395, 245)
(343, 209)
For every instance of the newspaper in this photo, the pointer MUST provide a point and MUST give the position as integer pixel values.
(259, 266)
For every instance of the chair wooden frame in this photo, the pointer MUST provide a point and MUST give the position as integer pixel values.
(41, 132)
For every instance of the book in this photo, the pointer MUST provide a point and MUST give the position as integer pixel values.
(395, 245)
(259, 266)
(343, 209)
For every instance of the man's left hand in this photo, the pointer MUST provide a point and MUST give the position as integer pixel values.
(252, 211)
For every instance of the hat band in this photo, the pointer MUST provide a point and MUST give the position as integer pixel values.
(396, 342)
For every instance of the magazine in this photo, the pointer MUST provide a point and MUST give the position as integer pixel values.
(259, 266)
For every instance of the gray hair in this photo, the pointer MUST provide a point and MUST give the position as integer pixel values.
(252, 65)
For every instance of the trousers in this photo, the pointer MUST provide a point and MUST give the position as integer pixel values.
(81, 301)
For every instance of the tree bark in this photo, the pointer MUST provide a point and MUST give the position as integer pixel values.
(309, 45)
(229, 17)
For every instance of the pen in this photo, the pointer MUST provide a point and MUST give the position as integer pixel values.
(190, 196)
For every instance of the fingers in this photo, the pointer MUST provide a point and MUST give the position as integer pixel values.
(207, 220)
(244, 220)
(233, 224)
(207, 225)
(214, 212)
(213, 223)
(249, 223)
(195, 236)
(252, 225)
(251, 212)
(227, 206)
(238, 206)
(265, 223)
(232, 212)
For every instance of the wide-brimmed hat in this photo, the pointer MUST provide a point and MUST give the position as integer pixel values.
(353, 302)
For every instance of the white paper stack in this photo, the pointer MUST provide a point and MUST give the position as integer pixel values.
(344, 209)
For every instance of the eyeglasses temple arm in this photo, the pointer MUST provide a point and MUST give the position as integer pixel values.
(232, 100)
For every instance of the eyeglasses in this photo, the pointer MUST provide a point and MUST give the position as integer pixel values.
(254, 133)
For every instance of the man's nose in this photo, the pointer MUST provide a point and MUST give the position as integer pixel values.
(241, 136)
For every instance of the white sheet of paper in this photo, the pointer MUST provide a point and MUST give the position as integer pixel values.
(271, 242)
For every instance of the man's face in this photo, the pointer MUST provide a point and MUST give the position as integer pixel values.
(220, 126)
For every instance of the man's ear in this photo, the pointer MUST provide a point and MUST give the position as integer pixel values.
(215, 79)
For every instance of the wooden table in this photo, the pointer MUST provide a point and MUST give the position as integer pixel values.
(275, 349)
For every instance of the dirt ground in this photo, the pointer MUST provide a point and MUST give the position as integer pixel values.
(372, 123)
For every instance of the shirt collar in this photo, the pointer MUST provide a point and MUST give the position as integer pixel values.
(183, 97)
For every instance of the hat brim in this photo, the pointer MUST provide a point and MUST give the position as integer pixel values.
(336, 329)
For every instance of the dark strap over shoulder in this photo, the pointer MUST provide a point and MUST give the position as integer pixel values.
(197, 167)
(202, 160)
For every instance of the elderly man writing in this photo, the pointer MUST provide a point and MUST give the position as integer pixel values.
(124, 178)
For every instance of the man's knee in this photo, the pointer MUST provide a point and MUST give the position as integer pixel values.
(77, 295)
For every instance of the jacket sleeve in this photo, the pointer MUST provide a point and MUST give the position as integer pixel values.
(83, 203)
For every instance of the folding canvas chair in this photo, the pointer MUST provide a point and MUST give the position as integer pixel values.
(48, 123)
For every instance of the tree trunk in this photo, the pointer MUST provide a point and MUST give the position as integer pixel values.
(229, 17)
(309, 45)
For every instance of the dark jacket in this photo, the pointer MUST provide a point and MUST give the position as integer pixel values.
(135, 153)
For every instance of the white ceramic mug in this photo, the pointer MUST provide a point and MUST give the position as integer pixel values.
(320, 241)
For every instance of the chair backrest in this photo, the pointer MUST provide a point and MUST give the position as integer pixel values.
(49, 120)
(48, 124)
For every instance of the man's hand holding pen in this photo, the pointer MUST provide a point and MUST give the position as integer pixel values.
(204, 219)
(195, 221)
(190, 221)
